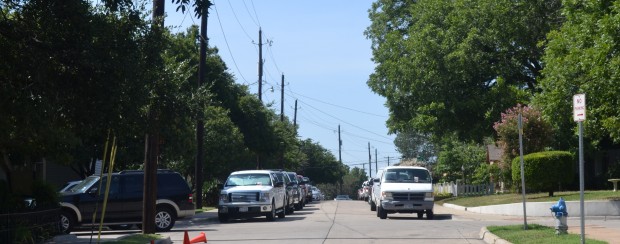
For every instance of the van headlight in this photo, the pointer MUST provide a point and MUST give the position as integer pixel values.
(386, 195)
(429, 195)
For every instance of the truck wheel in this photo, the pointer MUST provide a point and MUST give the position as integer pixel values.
(373, 206)
(430, 214)
(271, 216)
(420, 215)
(222, 217)
(382, 213)
(67, 221)
(164, 219)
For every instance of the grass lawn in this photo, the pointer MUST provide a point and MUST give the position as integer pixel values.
(535, 234)
(204, 209)
(534, 197)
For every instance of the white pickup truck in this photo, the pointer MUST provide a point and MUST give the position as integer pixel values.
(403, 189)
(251, 193)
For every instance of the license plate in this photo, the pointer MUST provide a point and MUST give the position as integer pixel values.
(243, 209)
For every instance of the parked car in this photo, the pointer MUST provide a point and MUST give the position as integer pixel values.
(252, 193)
(317, 195)
(290, 191)
(125, 200)
(297, 191)
(304, 187)
(404, 189)
(309, 189)
(342, 198)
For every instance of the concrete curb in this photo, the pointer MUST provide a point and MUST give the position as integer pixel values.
(489, 237)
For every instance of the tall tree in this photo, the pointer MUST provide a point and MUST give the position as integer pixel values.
(582, 57)
(453, 66)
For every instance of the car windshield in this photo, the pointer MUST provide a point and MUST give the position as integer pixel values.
(407, 176)
(248, 180)
(85, 184)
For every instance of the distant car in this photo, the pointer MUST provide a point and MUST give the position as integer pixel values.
(69, 185)
(342, 198)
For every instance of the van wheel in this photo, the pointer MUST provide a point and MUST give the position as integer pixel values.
(67, 221)
(430, 214)
(420, 215)
(271, 216)
(164, 219)
(373, 206)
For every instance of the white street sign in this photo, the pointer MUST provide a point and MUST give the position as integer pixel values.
(579, 107)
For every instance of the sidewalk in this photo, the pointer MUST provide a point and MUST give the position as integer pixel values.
(604, 228)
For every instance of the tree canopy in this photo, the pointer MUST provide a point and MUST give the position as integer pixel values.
(453, 67)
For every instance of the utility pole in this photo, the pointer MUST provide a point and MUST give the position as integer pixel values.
(151, 142)
(369, 161)
(376, 166)
(200, 127)
(388, 157)
(339, 146)
(295, 116)
(282, 100)
(260, 64)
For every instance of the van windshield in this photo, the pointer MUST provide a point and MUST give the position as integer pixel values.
(85, 184)
(249, 180)
(407, 176)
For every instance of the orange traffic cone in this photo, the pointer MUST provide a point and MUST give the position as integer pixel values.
(186, 238)
(200, 238)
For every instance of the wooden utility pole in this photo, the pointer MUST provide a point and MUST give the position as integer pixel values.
(376, 166)
(295, 117)
(260, 64)
(200, 127)
(388, 157)
(282, 100)
(339, 146)
(151, 142)
(369, 162)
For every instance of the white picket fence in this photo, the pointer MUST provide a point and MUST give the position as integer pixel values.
(464, 190)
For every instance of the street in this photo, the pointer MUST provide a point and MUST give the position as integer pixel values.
(332, 222)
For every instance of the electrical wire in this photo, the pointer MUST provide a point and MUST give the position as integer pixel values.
(238, 22)
(226, 41)
(251, 17)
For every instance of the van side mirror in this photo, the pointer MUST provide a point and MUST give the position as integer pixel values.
(93, 191)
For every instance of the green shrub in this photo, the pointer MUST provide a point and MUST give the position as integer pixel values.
(544, 171)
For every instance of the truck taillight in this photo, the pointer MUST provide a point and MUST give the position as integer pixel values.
(190, 198)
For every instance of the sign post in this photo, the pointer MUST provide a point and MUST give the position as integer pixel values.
(579, 115)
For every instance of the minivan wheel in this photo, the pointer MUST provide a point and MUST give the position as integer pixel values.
(373, 206)
(164, 219)
(67, 221)
(272, 215)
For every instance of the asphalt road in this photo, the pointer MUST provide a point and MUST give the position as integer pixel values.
(325, 222)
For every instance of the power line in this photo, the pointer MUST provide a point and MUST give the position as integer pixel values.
(226, 41)
(238, 22)
(251, 17)
(335, 105)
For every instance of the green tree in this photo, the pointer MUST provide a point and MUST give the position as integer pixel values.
(582, 58)
(453, 66)
(321, 165)
(458, 160)
(412, 145)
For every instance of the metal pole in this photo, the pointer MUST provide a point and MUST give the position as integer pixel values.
(581, 210)
(522, 172)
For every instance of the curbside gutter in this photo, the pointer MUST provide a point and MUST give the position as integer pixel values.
(491, 238)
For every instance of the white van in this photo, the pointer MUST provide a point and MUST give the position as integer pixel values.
(404, 189)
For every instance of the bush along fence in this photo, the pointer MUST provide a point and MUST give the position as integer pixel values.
(463, 190)
(29, 227)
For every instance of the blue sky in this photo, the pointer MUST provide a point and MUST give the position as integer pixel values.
(326, 60)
